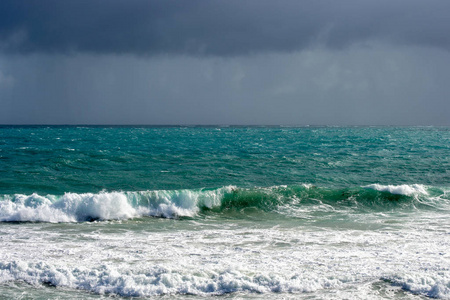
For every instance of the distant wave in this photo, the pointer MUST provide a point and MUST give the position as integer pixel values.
(73, 207)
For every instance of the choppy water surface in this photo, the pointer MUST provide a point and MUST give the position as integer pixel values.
(241, 212)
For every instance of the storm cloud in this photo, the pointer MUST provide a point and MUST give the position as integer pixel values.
(246, 62)
(218, 28)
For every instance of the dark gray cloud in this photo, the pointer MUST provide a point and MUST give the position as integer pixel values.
(221, 28)
(346, 62)
(377, 85)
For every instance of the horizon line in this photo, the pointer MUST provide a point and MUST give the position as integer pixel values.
(220, 125)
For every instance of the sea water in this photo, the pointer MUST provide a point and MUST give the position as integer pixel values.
(237, 212)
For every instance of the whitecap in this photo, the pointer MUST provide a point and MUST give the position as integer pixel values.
(403, 189)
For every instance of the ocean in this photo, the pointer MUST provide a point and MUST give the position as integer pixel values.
(179, 212)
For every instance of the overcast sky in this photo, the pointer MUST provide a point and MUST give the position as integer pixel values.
(337, 62)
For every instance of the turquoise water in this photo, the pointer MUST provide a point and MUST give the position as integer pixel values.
(91, 159)
(246, 212)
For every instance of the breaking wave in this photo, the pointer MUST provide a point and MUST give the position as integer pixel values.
(73, 207)
(403, 189)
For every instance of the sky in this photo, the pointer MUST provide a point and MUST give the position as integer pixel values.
(238, 62)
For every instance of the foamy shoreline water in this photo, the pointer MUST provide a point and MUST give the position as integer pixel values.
(143, 259)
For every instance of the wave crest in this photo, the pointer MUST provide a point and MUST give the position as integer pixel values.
(403, 189)
(73, 207)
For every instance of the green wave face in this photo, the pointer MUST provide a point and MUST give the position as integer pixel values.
(285, 200)
(362, 199)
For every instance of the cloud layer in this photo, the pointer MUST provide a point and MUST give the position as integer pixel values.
(218, 28)
(377, 86)
(319, 62)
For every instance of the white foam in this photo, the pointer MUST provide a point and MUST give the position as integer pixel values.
(73, 207)
(403, 189)
(434, 285)
(159, 281)
(70, 207)
(205, 257)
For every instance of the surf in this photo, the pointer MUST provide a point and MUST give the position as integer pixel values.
(122, 205)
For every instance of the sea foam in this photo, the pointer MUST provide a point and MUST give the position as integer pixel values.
(73, 207)
(70, 207)
(436, 285)
(161, 281)
(403, 189)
